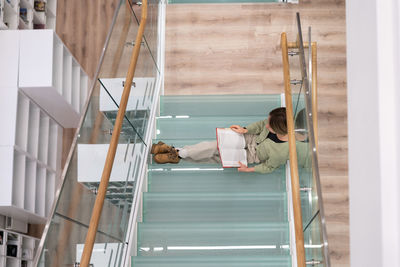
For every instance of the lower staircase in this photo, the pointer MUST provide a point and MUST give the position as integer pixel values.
(202, 214)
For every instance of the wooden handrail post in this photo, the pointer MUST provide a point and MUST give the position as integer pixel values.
(102, 190)
(294, 172)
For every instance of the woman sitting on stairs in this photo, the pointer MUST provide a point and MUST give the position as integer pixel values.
(266, 146)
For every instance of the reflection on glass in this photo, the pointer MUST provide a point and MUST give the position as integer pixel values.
(67, 251)
(313, 243)
(138, 107)
(64, 237)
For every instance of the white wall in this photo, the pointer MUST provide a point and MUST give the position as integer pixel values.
(374, 131)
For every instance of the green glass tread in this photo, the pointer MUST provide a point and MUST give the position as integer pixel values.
(182, 142)
(214, 207)
(213, 261)
(219, 105)
(198, 127)
(212, 238)
(184, 165)
(219, 180)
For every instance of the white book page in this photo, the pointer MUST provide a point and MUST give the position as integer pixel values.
(231, 147)
(230, 139)
(231, 157)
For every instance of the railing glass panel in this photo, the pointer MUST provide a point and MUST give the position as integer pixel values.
(64, 236)
(71, 217)
(313, 242)
(150, 38)
(316, 244)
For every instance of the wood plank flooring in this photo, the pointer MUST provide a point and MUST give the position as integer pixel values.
(83, 27)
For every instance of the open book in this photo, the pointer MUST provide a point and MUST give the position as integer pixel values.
(231, 148)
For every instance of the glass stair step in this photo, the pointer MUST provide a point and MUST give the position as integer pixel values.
(182, 142)
(214, 207)
(218, 180)
(219, 105)
(170, 183)
(172, 239)
(198, 127)
(193, 166)
(213, 261)
(184, 165)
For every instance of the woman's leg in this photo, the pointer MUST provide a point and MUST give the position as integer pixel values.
(251, 148)
(205, 152)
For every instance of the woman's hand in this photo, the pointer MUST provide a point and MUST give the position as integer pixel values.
(238, 129)
(244, 168)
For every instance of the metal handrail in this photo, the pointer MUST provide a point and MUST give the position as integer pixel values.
(98, 206)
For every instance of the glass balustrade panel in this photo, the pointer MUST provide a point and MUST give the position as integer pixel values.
(306, 148)
(65, 234)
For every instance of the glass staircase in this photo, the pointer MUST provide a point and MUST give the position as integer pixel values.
(205, 215)
(188, 214)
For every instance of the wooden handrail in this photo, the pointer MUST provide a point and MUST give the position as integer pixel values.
(294, 172)
(296, 45)
(102, 190)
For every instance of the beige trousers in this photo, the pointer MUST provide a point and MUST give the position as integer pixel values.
(207, 151)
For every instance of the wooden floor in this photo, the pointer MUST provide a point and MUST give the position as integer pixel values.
(234, 49)
(83, 27)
